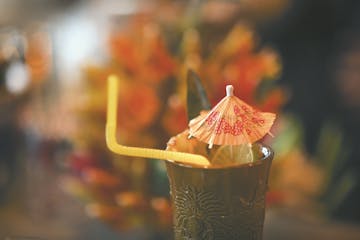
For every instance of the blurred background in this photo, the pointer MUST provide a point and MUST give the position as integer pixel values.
(297, 58)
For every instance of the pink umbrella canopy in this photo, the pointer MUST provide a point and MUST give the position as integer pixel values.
(231, 122)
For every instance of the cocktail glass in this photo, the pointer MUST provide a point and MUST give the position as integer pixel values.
(220, 203)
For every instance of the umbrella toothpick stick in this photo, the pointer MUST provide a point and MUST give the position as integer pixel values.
(114, 146)
(251, 152)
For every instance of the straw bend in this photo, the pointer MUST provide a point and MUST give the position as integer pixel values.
(114, 146)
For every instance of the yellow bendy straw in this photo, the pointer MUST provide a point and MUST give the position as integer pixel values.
(137, 151)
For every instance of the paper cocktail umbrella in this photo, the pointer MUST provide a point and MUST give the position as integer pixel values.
(137, 151)
(231, 122)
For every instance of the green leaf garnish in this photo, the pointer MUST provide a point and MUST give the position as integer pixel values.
(197, 99)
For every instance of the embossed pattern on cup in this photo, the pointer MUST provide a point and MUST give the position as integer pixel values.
(219, 203)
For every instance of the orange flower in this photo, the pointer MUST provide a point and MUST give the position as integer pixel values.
(237, 62)
(174, 120)
(138, 106)
(142, 52)
(123, 50)
(270, 63)
(274, 100)
(296, 178)
(245, 73)
(239, 41)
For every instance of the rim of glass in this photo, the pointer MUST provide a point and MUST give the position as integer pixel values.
(267, 151)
